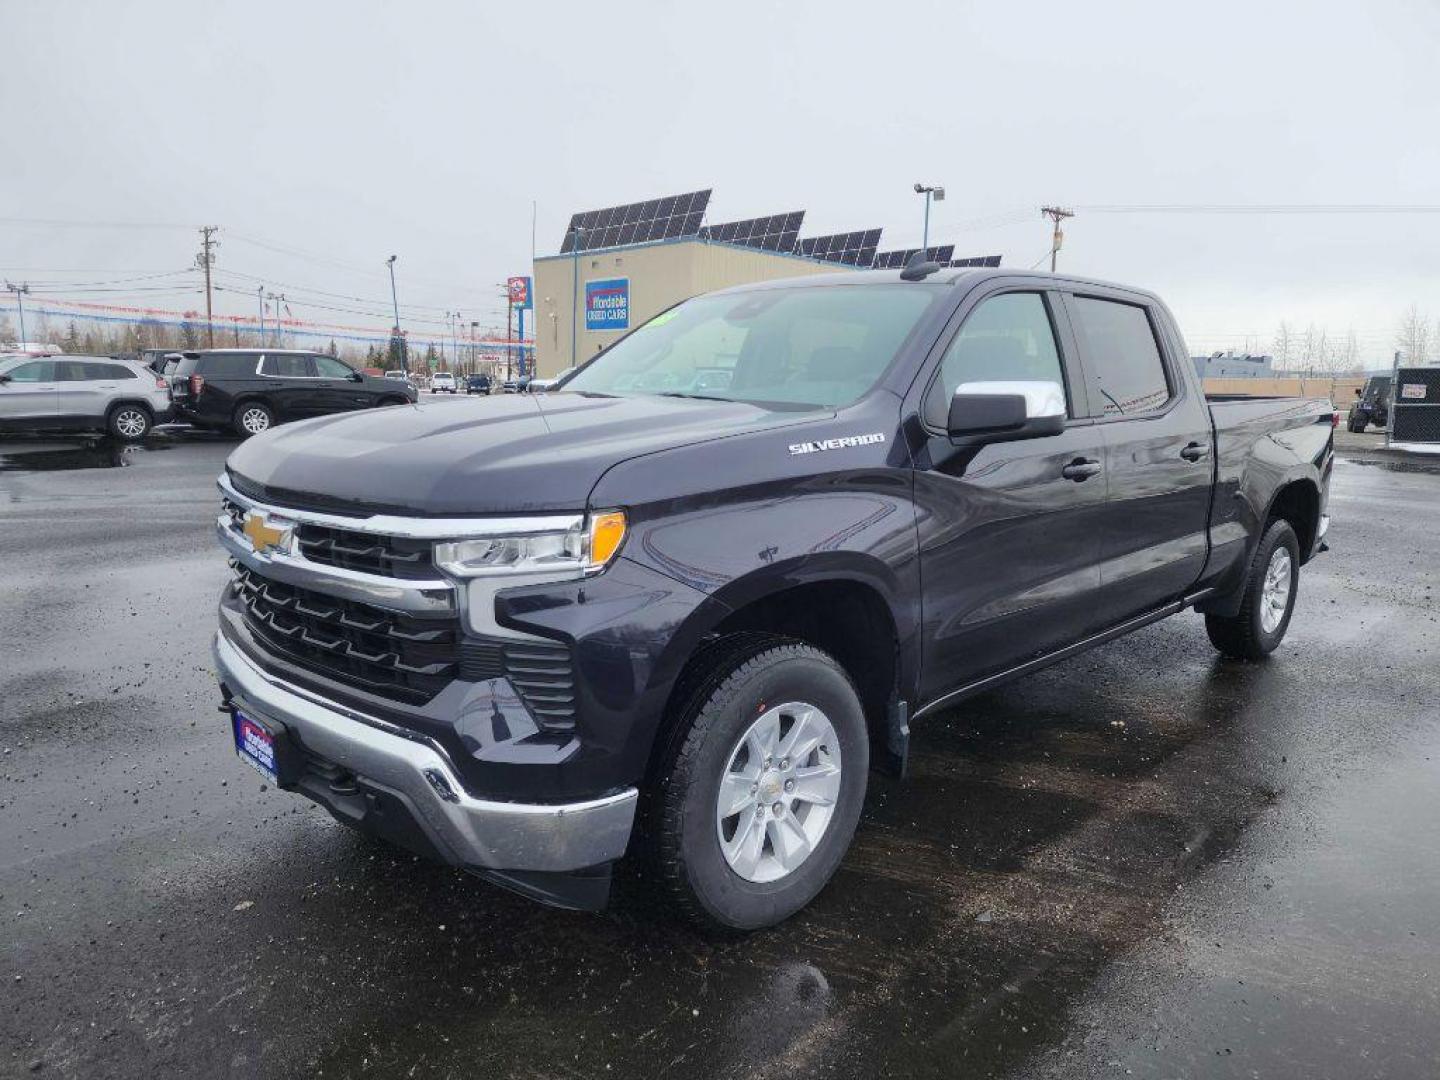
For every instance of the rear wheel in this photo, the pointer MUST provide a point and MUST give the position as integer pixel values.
(383, 402)
(252, 418)
(129, 423)
(1269, 599)
(760, 798)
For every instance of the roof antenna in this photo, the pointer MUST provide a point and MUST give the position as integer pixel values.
(918, 267)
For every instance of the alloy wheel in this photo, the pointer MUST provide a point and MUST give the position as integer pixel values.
(778, 793)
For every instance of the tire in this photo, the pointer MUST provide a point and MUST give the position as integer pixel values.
(383, 402)
(1356, 427)
(755, 699)
(1260, 626)
(129, 423)
(252, 418)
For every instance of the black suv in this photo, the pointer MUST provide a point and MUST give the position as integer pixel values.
(251, 389)
(477, 384)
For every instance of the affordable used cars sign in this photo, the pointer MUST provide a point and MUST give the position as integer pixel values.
(607, 304)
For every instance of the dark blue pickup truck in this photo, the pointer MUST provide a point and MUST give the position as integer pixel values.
(682, 604)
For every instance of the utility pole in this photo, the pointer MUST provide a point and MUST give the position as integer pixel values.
(205, 260)
(20, 291)
(1057, 215)
(260, 295)
(509, 316)
(277, 298)
(930, 191)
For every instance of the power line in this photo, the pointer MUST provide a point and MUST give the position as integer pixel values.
(1261, 208)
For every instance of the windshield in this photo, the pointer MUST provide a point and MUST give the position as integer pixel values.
(798, 347)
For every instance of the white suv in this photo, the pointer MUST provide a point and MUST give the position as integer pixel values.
(442, 382)
(82, 393)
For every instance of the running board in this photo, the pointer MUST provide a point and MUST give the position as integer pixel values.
(1119, 630)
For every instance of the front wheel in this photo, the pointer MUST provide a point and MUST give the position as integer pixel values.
(759, 801)
(252, 418)
(1268, 602)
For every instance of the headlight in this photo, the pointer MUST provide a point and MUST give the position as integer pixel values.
(582, 545)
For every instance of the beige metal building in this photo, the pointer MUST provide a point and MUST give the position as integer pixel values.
(646, 279)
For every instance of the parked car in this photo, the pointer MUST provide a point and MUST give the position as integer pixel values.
(442, 382)
(82, 393)
(398, 374)
(155, 359)
(477, 384)
(518, 384)
(726, 608)
(250, 390)
(541, 386)
(1372, 404)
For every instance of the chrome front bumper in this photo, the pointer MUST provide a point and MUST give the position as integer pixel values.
(466, 831)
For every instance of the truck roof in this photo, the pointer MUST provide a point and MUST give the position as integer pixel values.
(945, 276)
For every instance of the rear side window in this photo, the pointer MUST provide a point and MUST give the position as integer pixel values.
(1122, 359)
(90, 371)
(287, 366)
(1006, 338)
(231, 364)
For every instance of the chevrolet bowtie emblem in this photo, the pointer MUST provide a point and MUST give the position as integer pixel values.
(263, 536)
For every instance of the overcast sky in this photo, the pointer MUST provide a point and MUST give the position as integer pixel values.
(344, 132)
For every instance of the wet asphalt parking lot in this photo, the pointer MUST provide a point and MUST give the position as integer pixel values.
(1144, 861)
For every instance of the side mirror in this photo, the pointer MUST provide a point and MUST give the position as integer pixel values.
(4, 378)
(356, 376)
(1358, 392)
(986, 412)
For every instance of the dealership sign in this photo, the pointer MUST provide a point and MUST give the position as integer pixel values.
(519, 289)
(607, 304)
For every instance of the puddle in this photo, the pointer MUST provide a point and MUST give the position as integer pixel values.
(27, 454)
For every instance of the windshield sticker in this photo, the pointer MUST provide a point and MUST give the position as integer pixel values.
(836, 444)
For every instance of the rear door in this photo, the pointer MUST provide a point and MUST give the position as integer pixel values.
(1009, 533)
(1158, 451)
(85, 388)
(27, 398)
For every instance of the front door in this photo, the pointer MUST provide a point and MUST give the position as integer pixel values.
(1010, 534)
(27, 398)
(339, 391)
(291, 385)
(1158, 442)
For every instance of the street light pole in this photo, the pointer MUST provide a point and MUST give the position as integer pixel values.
(929, 191)
(260, 295)
(19, 291)
(574, 296)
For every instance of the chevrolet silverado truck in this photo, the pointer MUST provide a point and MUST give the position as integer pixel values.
(662, 614)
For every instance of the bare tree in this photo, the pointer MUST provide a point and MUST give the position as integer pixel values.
(1284, 346)
(1413, 337)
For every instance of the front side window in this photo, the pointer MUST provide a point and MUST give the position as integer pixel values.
(1007, 338)
(1122, 359)
(804, 347)
(330, 368)
(34, 372)
(287, 366)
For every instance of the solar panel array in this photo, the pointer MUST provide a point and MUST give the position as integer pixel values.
(774, 233)
(978, 260)
(637, 223)
(896, 260)
(852, 249)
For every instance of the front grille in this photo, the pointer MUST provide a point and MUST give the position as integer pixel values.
(369, 553)
(385, 652)
(540, 671)
(350, 549)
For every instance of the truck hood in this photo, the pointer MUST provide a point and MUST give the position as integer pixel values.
(516, 453)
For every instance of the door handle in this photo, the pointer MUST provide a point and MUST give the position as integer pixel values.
(1195, 451)
(1080, 470)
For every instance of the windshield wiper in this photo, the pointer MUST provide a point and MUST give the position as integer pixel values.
(692, 397)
